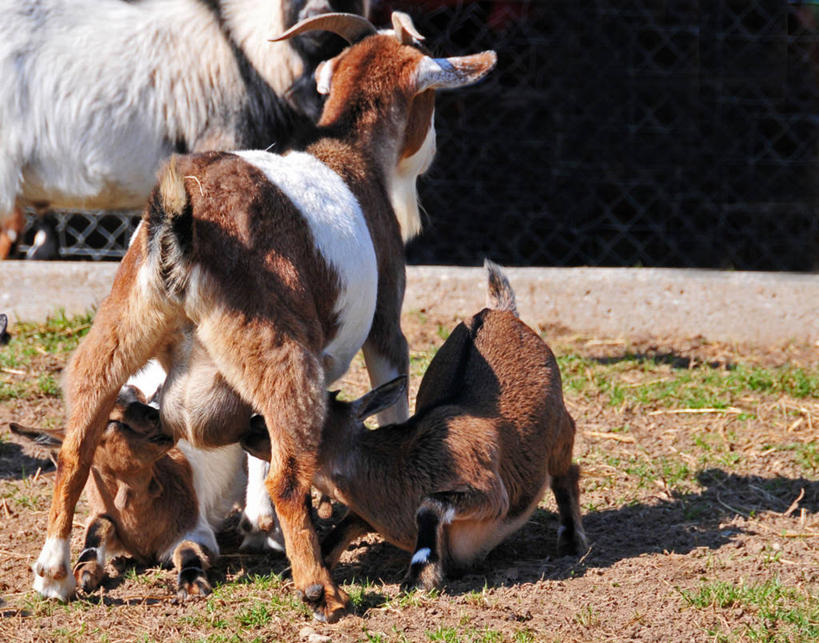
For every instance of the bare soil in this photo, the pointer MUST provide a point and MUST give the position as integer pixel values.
(674, 501)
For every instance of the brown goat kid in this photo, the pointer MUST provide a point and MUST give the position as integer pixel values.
(255, 278)
(489, 434)
(142, 498)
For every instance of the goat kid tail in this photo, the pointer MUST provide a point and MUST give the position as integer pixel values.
(500, 295)
(170, 227)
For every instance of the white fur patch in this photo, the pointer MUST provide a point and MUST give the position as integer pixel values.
(257, 506)
(403, 193)
(55, 554)
(449, 516)
(218, 478)
(148, 379)
(342, 238)
(421, 556)
(382, 371)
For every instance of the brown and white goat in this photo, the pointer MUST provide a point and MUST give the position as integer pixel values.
(490, 432)
(278, 268)
(142, 493)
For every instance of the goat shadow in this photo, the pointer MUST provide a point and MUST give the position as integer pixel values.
(18, 462)
(685, 522)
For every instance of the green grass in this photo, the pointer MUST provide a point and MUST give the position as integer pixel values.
(30, 342)
(778, 612)
(660, 385)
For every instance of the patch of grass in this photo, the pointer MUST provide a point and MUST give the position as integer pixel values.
(702, 386)
(806, 453)
(58, 335)
(413, 598)
(363, 595)
(780, 613)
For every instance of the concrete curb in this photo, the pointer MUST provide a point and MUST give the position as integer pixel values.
(748, 307)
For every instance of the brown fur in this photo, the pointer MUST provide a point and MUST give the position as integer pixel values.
(231, 266)
(11, 231)
(140, 492)
(490, 432)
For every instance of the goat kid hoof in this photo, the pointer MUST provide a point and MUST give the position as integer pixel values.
(198, 588)
(88, 577)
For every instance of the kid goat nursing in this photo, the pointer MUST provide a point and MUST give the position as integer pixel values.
(147, 498)
(489, 434)
(255, 278)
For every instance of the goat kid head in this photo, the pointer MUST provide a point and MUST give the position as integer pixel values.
(381, 92)
(131, 444)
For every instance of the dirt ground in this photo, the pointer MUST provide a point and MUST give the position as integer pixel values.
(702, 521)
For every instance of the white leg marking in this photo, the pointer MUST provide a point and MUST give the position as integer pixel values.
(421, 556)
(259, 507)
(382, 371)
(449, 516)
(54, 558)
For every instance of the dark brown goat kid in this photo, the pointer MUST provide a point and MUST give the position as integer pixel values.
(489, 434)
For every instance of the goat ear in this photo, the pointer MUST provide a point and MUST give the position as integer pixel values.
(450, 73)
(380, 398)
(405, 32)
(49, 438)
(324, 76)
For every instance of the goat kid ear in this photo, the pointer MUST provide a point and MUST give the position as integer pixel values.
(451, 73)
(324, 76)
(380, 398)
(48, 438)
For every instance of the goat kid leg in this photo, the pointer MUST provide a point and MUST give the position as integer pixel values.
(426, 568)
(570, 534)
(345, 532)
(125, 333)
(191, 563)
(100, 538)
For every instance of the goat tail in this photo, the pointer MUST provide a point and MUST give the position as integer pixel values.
(170, 226)
(500, 295)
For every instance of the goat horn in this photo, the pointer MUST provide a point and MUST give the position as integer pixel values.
(404, 30)
(349, 26)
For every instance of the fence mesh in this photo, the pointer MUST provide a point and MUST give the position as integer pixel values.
(616, 132)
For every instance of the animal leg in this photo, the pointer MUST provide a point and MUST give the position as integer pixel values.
(335, 542)
(119, 343)
(437, 511)
(570, 534)
(259, 523)
(100, 537)
(11, 231)
(386, 354)
(285, 382)
(191, 563)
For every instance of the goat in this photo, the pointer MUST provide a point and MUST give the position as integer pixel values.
(149, 499)
(283, 267)
(490, 432)
(97, 94)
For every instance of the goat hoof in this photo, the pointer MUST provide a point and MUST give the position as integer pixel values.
(194, 590)
(328, 604)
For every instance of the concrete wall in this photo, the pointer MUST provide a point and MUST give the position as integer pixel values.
(753, 307)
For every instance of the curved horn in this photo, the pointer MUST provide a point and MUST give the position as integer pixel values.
(404, 30)
(349, 26)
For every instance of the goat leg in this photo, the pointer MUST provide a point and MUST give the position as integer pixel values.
(100, 536)
(335, 542)
(191, 563)
(570, 534)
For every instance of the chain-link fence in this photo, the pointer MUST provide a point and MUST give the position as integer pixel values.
(620, 133)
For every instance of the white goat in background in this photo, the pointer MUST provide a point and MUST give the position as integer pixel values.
(97, 93)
